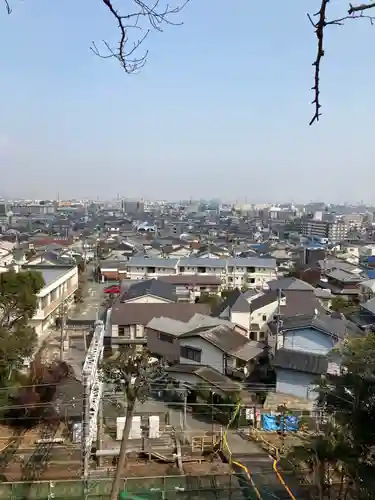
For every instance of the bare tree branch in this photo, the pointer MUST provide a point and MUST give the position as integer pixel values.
(125, 52)
(354, 12)
(8, 7)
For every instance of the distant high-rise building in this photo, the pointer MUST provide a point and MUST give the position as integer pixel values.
(132, 207)
(3, 208)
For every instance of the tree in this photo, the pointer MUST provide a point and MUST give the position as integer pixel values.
(345, 446)
(131, 372)
(18, 303)
(343, 305)
(155, 14)
(354, 12)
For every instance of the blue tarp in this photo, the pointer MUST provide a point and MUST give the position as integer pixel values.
(271, 423)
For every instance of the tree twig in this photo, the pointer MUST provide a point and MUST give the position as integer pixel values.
(8, 7)
(125, 52)
(354, 12)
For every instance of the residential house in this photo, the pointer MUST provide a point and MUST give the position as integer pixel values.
(302, 346)
(365, 317)
(112, 270)
(129, 319)
(60, 285)
(252, 311)
(367, 290)
(150, 292)
(175, 252)
(343, 283)
(220, 347)
(122, 251)
(49, 258)
(301, 297)
(163, 334)
(190, 287)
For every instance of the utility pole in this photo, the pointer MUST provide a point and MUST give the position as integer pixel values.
(278, 313)
(62, 327)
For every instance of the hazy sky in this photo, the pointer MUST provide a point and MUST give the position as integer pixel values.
(221, 109)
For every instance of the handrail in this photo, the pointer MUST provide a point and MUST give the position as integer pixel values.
(280, 477)
(235, 462)
(275, 456)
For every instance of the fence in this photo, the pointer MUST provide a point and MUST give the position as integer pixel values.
(207, 487)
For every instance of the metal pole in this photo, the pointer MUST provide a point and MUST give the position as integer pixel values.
(85, 433)
(62, 321)
(278, 316)
(99, 433)
(185, 409)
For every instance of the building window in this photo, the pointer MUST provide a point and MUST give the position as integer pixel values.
(164, 337)
(264, 317)
(261, 335)
(250, 269)
(191, 353)
(253, 335)
(124, 331)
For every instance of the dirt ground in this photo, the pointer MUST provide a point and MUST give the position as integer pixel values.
(276, 439)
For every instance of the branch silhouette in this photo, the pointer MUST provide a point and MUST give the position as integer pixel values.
(354, 12)
(126, 52)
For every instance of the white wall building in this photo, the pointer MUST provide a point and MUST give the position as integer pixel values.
(234, 272)
(61, 283)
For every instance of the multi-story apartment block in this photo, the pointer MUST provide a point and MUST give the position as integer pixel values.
(333, 230)
(233, 272)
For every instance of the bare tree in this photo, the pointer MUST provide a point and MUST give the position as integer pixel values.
(157, 15)
(131, 373)
(354, 12)
(130, 20)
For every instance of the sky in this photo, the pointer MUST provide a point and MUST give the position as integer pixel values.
(221, 110)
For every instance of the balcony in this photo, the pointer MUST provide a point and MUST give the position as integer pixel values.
(42, 314)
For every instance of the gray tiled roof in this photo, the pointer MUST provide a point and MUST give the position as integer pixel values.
(268, 263)
(151, 262)
(301, 361)
(150, 287)
(227, 340)
(334, 326)
(369, 306)
(141, 314)
(208, 375)
(289, 284)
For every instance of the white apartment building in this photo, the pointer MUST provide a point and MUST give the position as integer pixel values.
(233, 272)
(61, 283)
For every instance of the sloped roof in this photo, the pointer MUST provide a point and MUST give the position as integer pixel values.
(289, 284)
(227, 340)
(153, 287)
(128, 313)
(301, 361)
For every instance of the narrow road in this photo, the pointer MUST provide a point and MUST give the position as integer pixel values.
(247, 457)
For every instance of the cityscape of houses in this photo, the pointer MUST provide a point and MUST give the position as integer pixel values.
(256, 299)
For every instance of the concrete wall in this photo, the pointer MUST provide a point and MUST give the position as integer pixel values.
(148, 299)
(211, 355)
(297, 384)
